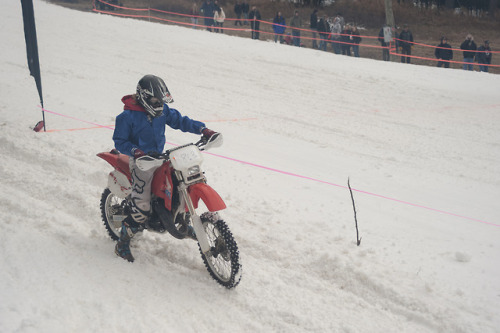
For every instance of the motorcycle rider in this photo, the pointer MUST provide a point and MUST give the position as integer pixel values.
(140, 130)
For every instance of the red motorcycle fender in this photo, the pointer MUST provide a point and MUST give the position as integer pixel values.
(204, 192)
(118, 161)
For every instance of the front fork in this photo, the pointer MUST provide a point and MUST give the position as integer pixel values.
(196, 220)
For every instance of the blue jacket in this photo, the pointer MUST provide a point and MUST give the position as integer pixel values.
(278, 29)
(134, 128)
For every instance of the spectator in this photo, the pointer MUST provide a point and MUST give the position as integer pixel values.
(314, 27)
(207, 10)
(238, 10)
(356, 39)
(219, 18)
(336, 29)
(406, 42)
(324, 31)
(444, 53)
(341, 21)
(469, 48)
(245, 7)
(216, 5)
(385, 37)
(279, 26)
(194, 15)
(346, 39)
(396, 33)
(296, 24)
(483, 56)
(254, 17)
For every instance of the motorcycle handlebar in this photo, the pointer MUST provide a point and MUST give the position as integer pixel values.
(148, 161)
(203, 144)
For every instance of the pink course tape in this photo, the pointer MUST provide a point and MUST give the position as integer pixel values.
(360, 191)
(307, 178)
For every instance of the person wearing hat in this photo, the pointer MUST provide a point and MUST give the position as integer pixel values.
(254, 17)
(444, 53)
(406, 42)
(296, 24)
(483, 56)
(313, 25)
(469, 47)
(323, 30)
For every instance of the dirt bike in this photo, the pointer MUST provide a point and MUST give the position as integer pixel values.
(178, 185)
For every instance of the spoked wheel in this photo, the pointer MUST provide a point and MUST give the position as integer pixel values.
(112, 213)
(222, 261)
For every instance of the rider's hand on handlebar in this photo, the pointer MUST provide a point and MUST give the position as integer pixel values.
(154, 154)
(138, 153)
(207, 133)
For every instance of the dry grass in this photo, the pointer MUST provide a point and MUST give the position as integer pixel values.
(427, 26)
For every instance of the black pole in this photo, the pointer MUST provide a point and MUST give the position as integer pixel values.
(32, 48)
(358, 240)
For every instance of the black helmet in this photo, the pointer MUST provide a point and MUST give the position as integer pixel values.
(152, 92)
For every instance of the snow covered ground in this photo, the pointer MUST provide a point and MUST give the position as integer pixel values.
(420, 145)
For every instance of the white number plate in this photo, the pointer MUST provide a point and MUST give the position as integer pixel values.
(184, 158)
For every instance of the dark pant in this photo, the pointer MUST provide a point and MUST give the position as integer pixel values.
(238, 16)
(346, 49)
(209, 23)
(483, 67)
(445, 63)
(322, 42)
(296, 37)
(407, 51)
(217, 25)
(315, 43)
(255, 29)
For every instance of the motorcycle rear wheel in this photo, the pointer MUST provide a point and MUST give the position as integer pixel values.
(111, 205)
(222, 261)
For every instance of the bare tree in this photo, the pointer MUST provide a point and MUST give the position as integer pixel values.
(389, 14)
(493, 7)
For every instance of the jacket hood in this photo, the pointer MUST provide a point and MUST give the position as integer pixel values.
(130, 103)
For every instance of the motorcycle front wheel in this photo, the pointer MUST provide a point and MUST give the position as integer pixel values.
(222, 261)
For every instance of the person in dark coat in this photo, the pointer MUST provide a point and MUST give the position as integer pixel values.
(208, 10)
(406, 42)
(386, 56)
(254, 17)
(314, 27)
(346, 39)
(469, 48)
(483, 56)
(444, 53)
(245, 8)
(238, 10)
(296, 24)
(324, 31)
(356, 39)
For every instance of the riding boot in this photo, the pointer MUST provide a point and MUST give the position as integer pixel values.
(129, 229)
